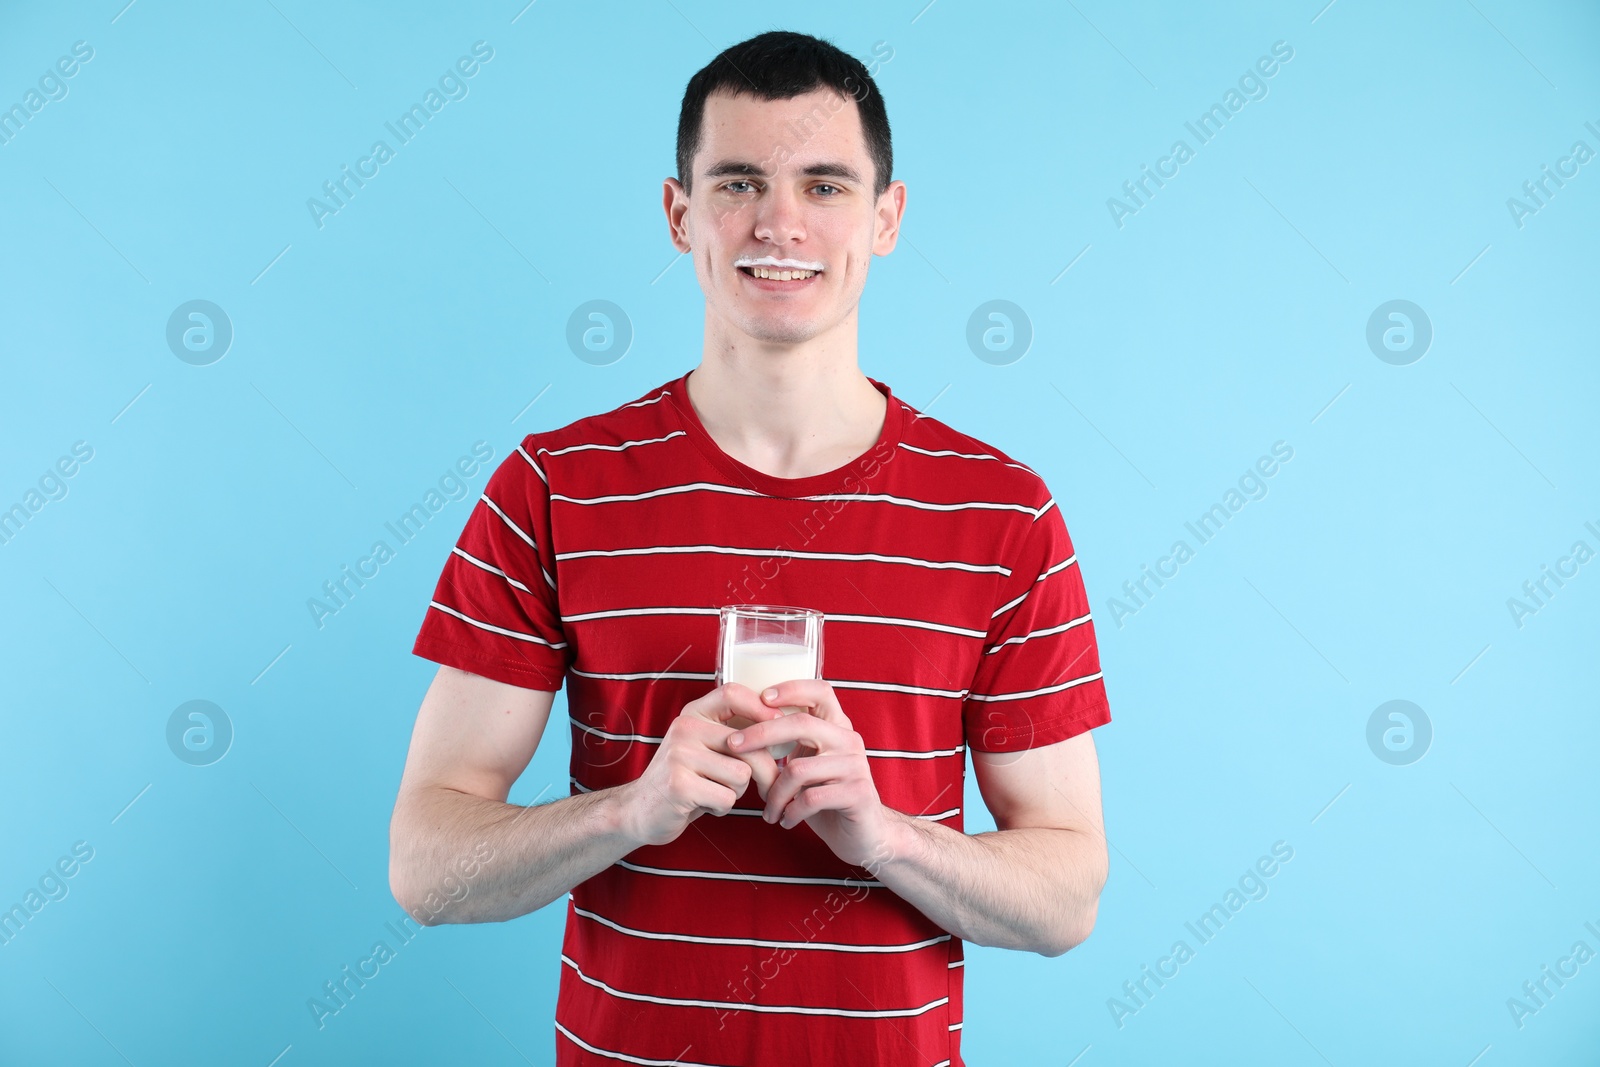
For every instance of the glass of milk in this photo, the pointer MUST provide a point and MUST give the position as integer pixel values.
(760, 645)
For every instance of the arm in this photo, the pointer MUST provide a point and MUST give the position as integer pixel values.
(459, 853)
(1034, 883)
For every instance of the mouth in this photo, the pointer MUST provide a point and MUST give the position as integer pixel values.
(773, 279)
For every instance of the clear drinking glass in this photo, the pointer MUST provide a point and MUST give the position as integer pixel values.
(760, 645)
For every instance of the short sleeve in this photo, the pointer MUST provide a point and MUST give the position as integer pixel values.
(494, 610)
(1038, 681)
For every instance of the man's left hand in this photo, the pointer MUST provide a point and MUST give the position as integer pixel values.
(826, 782)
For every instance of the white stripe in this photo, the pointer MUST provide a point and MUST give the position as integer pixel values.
(668, 490)
(884, 620)
(1063, 565)
(715, 487)
(1079, 621)
(955, 1026)
(476, 562)
(880, 687)
(532, 464)
(725, 550)
(890, 753)
(625, 612)
(988, 505)
(964, 455)
(609, 736)
(887, 687)
(1038, 692)
(520, 532)
(915, 623)
(624, 1057)
(613, 448)
(880, 753)
(723, 876)
(496, 629)
(651, 675)
(759, 811)
(958, 963)
(1048, 505)
(756, 941)
(652, 400)
(769, 1009)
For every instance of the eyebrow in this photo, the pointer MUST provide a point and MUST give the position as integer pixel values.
(739, 167)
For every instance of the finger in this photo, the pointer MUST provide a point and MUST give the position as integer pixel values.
(730, 701)
(820, 735)
(731, 772)
(814, 694)
(813, 800)
(712, 798)
(764, 770)
(801, 774)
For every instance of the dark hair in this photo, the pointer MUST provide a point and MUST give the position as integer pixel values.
(780, 65)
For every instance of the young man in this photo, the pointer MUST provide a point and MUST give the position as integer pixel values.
(724, 910)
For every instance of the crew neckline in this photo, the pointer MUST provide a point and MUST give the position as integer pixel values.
(766, 484)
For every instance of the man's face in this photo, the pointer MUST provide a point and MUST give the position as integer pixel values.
(782, 185)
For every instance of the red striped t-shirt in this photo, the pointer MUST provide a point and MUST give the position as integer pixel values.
(599, 554)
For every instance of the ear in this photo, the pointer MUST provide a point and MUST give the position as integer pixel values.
(891, 208)
(675, 201)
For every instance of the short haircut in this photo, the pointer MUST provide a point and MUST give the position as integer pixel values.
(780, 65)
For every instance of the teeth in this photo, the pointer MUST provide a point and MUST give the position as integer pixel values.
(781, 275)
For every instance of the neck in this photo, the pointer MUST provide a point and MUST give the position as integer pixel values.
(787, 411)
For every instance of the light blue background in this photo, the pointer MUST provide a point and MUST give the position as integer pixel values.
(1228, 314)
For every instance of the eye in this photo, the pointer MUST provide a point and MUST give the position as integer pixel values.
(835, 189)
(737, 181)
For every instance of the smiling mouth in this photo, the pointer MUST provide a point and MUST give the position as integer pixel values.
(774, 274)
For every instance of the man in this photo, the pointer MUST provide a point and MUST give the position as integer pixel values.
(726, 910)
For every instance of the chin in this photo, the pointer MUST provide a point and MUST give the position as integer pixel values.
(781, 332)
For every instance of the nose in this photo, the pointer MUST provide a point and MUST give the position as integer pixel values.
(779, 217)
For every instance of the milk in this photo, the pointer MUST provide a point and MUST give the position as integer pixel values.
(762, 664)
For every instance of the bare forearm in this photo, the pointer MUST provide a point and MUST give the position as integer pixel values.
(1035, 889)
(460, 858)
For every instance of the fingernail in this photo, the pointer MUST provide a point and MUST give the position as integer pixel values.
(770, 694)
(736, 740)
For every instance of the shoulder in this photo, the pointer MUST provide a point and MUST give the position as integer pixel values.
(956, 458)
(641, 418)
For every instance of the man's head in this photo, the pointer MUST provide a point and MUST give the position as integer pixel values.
(784, 161)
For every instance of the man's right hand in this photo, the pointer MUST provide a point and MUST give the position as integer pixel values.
(692, 772)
